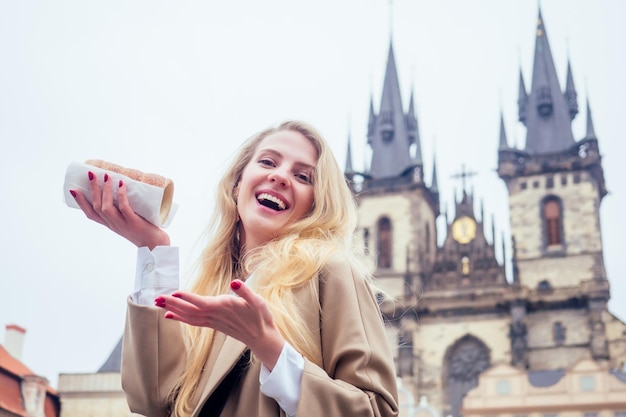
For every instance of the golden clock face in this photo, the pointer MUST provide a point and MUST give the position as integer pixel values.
(464, 229)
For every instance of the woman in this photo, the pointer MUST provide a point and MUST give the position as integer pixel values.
(280, 320)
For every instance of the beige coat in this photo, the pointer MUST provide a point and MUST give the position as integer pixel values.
(357, 377)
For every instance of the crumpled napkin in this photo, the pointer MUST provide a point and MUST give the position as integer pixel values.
(145, 199)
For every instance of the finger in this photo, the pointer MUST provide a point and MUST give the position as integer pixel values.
(95, 191)
(176, 304)
(122, 202)
(242, 290)
(172, 316)
(203, 311)
(86, 206)
(109, 210)
(191, 298)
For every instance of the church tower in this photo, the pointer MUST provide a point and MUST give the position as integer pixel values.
(454, 313)
(555, 186)
(397, 209)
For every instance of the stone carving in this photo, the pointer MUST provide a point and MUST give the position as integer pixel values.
(466, 360)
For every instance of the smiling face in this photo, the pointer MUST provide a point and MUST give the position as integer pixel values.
(276, 187)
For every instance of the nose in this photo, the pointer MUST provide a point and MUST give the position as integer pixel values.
(279, 177)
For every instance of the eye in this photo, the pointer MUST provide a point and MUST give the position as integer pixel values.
(304, 177)
(267, 162)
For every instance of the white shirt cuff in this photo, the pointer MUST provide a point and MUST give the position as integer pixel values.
(156, 274)
(283, 382)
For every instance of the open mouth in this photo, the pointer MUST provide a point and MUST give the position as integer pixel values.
(271, 201)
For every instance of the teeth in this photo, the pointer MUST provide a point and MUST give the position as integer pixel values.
(279, 203)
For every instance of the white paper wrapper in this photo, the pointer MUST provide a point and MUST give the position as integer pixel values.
(145, 199)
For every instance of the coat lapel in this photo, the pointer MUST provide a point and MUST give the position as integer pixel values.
(221, 360)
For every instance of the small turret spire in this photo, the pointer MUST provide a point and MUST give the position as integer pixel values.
(504, 143)
(371, 123)
(434, 186)
(413, 131)
(503, 251)
(482, 210)
(522, 99)
(591, 133)
(348, 169)
(570, 93)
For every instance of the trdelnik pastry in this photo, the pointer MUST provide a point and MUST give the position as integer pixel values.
(150, 195)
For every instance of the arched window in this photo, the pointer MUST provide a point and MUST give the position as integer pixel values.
(465, 265)
(553, 222)
(366, 241)
(384, 243)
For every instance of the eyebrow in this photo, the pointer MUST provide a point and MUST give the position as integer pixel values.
(278, 154)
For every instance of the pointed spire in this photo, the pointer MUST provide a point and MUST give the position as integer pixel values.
(547, 118)
(591, 133)
(570, 93)
(503, 251)
(504, 143)
(348, 169)
(482, 210)
(371, 123)
(522, 99)
(388, 133)
(413, 131)
(434, 186)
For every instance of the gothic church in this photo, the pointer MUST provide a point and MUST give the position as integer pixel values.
(453, 311)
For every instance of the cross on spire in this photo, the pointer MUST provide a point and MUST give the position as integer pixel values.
(463, 175)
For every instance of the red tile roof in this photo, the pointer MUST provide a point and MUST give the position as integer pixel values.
(11, 364)
(11, 372)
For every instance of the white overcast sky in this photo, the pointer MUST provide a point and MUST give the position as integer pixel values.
(175, 86)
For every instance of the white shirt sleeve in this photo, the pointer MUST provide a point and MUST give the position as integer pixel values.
(157, 273)
(283, 382)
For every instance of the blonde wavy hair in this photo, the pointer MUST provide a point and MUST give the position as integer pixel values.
(289, 261)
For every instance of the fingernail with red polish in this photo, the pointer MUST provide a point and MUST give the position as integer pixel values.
(176, 295)
(73, 193)
(159, 302)
(235, 285)
(121, 183)
(90, 175)
(106, 177)
(169, 316)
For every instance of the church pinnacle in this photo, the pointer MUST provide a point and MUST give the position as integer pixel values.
(546, 112)
(392, 132)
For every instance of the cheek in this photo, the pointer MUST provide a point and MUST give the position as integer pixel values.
(245, 182)
(308, 199)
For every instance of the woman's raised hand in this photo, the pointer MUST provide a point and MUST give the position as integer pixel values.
(121, 219)
(246, 318)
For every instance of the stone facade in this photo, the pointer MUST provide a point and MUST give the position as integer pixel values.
(93, 395)
(587, 388)
(411, 217)
(452, 312)
(574, 261)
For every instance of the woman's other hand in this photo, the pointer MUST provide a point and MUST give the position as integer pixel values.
(246, 318)
(121, 219)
